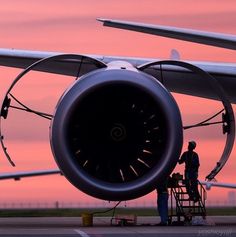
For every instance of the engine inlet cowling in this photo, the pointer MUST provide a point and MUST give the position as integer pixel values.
(116, 134)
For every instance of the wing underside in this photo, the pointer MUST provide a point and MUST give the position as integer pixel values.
(175, 79)
(218, 184)
(20, 175)
(202, 37)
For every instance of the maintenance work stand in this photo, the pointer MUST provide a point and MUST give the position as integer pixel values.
(182, 208)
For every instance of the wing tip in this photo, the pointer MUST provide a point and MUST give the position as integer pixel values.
(101, 19)
(104, 21)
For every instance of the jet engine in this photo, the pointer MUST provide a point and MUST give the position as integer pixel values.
(116, 133)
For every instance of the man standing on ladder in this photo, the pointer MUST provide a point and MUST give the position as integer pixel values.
(191, 160)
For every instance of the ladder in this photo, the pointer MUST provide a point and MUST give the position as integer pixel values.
(182, 208)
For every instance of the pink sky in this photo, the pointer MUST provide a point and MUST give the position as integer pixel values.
(70, 26)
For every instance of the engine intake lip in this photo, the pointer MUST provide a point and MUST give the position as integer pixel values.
(63, 125)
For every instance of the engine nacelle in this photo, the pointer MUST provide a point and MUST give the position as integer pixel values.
(116, 134)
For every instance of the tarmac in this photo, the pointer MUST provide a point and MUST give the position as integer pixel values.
(146, 227)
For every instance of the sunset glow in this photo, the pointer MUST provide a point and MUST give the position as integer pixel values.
(71, 27)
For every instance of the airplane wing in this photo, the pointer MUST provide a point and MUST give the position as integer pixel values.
(20, 175)
(175, 79)
(176, 82)
(208, 38)
(217, 184)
